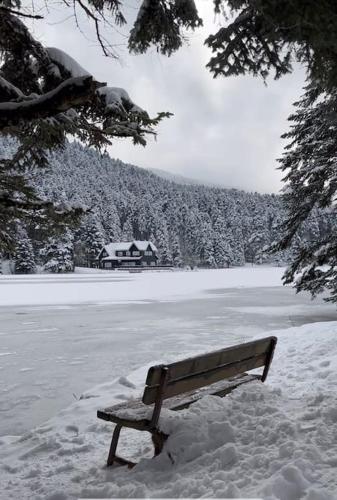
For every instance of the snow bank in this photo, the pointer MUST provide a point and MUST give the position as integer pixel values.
(276, 440)
(121, 287)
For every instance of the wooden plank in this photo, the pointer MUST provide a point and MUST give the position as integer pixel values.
(209, 361)
(128, 414)
(136, 415)
(123, 461)
(221, 392)
(195, 381)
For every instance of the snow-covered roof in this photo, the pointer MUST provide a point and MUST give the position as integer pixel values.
(142, 245)
(112, 248)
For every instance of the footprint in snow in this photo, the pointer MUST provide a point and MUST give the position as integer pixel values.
(72, 428)
(325, 363)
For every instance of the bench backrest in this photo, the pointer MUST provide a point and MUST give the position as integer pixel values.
(166, 381)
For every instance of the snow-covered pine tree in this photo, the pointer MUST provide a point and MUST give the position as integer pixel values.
(127, 231)
(24, 254)
(208, 254)
(254, 247)
(223, 254)
(58, 254)
(206, 243)
(111, 221)
(143, 221)
(93, 239)
(163, 245)
(236, 241)
(191, 229)
(309, 163)
(176, 254)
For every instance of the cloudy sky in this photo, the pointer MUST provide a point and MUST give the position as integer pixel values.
(224, 131)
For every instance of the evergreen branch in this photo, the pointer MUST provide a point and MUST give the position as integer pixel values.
(7, 201)
(71, 93)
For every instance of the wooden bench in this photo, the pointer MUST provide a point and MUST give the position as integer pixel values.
(176, 386)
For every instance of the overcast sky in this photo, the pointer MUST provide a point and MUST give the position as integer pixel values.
(224, 131)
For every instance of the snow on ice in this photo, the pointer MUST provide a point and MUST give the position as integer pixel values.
(131, 287)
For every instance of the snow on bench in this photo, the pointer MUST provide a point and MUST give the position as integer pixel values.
(176, 386)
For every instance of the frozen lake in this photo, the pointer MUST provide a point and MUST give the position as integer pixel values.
(51, 351)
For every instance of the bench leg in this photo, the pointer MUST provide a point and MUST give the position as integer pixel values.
(113, 446)
(112, 457)
(158, 440)
(269, 359)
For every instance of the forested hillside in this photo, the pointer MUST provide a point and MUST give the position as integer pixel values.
(191, 224)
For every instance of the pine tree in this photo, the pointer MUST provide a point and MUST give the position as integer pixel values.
(162, 242)
(223, 254)
(176, 254)
(111, 221)
(206, 244)
(208, 258)
(310, 167)
(93, 239)
(127, 231)
(236, 242)
(24, 255)
(254, 247)
(58, 255)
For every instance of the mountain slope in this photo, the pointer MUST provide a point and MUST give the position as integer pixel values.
(180, 179)
(190, 224)
(193, 224)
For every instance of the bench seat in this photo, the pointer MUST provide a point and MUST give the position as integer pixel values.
(138, 416)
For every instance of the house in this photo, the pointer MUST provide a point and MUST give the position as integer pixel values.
(128, 254)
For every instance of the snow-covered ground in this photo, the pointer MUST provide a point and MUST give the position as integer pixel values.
(277, 440)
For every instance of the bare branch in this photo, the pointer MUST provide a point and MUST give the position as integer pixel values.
(19, 13)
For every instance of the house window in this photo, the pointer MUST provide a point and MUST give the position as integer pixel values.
(128, 254)
(108, 265)
(148, 252)
(152, 263)
(136, 253)
(119, 254)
